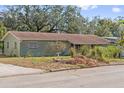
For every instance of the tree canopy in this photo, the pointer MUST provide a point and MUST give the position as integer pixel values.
(2, 30)
(56, 18)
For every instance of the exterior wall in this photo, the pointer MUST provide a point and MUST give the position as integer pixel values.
(43, 48)
(11, 51)
(122, 53)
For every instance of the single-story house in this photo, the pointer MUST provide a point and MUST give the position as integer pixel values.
(18, 43)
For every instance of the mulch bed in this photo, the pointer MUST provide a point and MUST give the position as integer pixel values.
(88, 62)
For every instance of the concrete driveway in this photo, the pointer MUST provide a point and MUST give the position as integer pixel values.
(107, 76)
(11, 70)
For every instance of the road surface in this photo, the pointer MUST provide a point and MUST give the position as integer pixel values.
(103, 77)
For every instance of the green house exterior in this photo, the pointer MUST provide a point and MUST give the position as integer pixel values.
(43, 48)
(38, 44)
(23, 48)
(15, 47)
(11, 46)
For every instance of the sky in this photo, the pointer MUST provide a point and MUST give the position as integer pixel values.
(108, 11)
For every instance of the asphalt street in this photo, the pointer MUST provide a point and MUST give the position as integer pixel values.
(98, 77)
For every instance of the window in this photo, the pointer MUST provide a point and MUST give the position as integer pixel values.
(15, 45)
(33, 45)
(78, 46)
(7, 44)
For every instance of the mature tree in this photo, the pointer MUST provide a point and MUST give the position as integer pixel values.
(66, 19)
(43, 18)
(121, 28)
(10, 18)
(103, 28)
(2, 30)
(72, 19)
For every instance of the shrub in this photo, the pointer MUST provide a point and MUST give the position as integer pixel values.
(1, 46)
(95, 53)
(84, 50)
(101, 53)
(90, 52)
(112, 52)
(72, 52)
(107, 52)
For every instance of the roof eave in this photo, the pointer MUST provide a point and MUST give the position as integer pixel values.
(8, 34)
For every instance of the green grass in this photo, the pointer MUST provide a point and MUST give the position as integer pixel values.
(47, 59)
(34, 59)
(115, 60)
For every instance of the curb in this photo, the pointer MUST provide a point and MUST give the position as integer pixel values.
(35, 73)
(57, 70)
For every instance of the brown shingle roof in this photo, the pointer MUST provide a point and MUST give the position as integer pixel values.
(73, 38)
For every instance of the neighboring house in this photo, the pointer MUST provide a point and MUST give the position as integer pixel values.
(122, 51)
(39, 44)
(112, 40)
(2, 15)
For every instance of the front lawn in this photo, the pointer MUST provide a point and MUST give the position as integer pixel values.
(115, 60)
(52, 63)
(31, 59)
(44, 63)
(63, 62)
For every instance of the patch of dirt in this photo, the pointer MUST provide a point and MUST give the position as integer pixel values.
(87, 62)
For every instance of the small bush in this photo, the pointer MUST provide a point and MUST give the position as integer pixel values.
(1, 46)
(100, 53)
(96, 53)
(72, 52)
(84, 50)
(111, 52)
